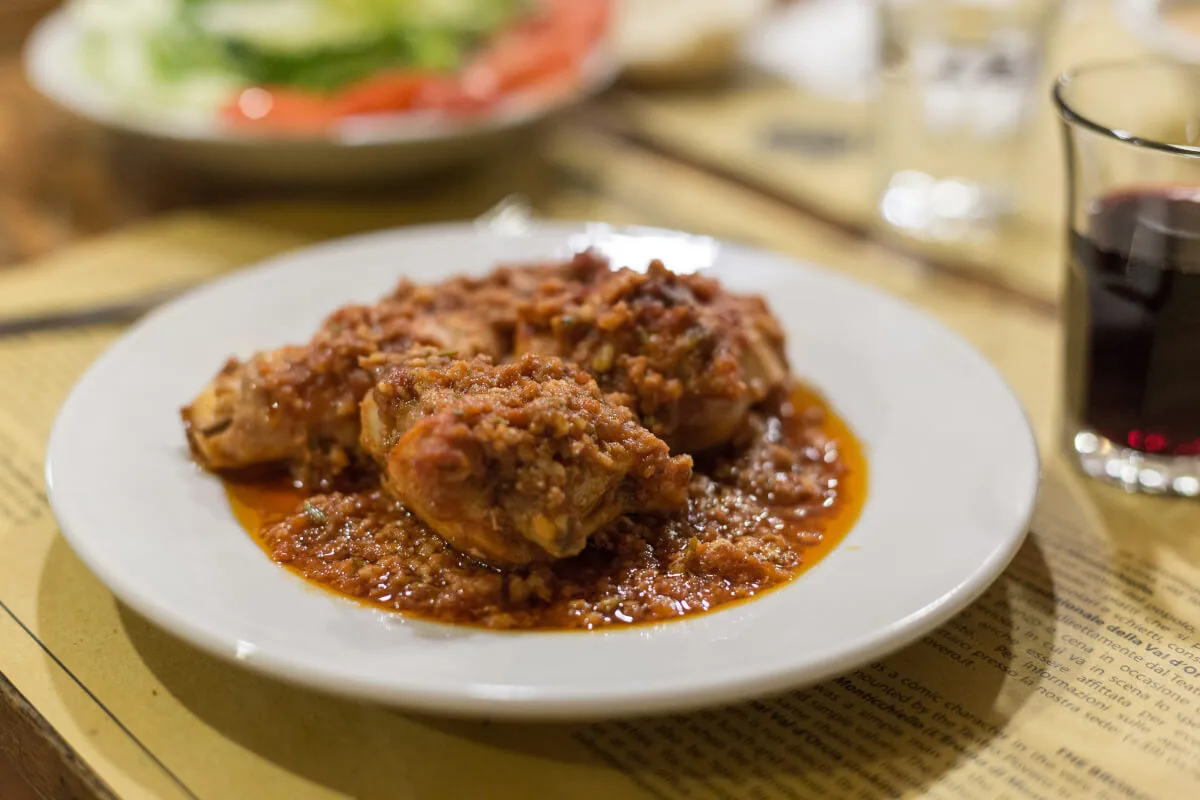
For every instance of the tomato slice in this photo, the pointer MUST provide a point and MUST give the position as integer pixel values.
(384, 93)
(282, 109)
(549, 47)
(540, 55)
(586, 20)
(458, 94)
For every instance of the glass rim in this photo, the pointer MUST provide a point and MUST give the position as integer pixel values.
(1070, 114)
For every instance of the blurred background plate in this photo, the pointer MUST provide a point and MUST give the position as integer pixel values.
(663, 43)
(365, 149)
(1170, 27)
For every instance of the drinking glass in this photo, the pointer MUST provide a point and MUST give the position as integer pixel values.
(959, 87)
(1132, 299)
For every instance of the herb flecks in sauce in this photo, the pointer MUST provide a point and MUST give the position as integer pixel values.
(759, 513)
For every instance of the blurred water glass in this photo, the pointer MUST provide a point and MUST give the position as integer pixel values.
(960, 84)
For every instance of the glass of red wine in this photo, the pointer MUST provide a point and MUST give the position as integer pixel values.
(1132, 299)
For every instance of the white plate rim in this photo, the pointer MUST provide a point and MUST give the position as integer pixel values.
(547, 703)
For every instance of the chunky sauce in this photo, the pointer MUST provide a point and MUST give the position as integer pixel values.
(760, 514)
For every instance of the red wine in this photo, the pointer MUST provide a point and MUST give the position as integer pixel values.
(1133, 321)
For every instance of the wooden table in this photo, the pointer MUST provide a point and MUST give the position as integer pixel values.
(74, 217)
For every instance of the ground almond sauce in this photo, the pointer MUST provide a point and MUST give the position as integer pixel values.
(759, 514)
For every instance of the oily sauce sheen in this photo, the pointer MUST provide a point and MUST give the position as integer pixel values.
(760, 512)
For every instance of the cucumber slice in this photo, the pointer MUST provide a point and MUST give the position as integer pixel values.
(282, 26)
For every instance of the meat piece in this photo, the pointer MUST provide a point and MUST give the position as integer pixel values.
(688, 356)
(513, 463)
(299, 405)
(497, 295)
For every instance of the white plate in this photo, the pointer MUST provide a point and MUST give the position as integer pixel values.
(370, 148)
(953, 476)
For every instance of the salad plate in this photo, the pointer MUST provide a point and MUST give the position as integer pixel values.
(319, 91)
(953, 466)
